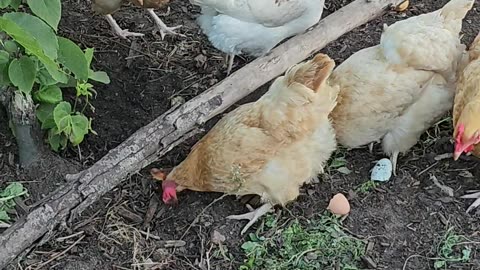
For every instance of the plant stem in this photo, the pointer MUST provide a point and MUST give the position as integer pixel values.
(25, 127)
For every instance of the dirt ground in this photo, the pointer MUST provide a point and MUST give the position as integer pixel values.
(404, 219)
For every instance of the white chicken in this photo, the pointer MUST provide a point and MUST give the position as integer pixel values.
(394, 91)
(255, 27)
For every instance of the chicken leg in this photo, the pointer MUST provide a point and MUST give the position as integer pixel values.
(163, 28)
(253, 215)
(123, 33)
(476, 203)
(230, 58)
(394, 159)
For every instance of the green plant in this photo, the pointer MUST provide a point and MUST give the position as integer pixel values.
(319, 244)
(366, 187)
(37, 63)
(7, 197)
(446, 252)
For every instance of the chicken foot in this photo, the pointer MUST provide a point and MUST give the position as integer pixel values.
(253, 215)
(476, 203)
(123, 33)
(163, 28)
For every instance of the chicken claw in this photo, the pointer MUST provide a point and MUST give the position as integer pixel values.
(253, 215)
(164, 29)
(123, 33)
(476, 203)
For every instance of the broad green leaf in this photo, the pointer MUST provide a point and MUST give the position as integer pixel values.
(79, 129)
(62, 117)
(56, 141)
(15, 4)
(38, 29)
(49, 94)
(44, 114)
(32, 46)
(4, 57)
(22, 73)
(14, 189)
(99, 76)
(48, 10)
(5, 3)
(4, 216)
(72, 57)
(89, 56)
(11, 46)
(44, 78)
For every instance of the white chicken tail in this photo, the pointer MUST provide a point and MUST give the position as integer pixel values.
(313, 75)
(297, 101)
(456, 9)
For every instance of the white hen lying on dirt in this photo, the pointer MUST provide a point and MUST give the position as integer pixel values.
(255, 27)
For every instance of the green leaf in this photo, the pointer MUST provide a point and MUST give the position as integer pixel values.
(15, 189)
(22, 73)
(79, 129)
(15, 4)
(62, 117)
(38, 29)
(5, 3)
(56, 141)
(44, 78)
(44, 114)
(99, 76)
(48, 10)
(49, 94)
(72, 57)
(4, 57)
(4, 216)
(11, 46)
(439, 264)
(89, 56)
(31, 45)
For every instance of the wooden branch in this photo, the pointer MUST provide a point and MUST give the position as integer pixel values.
(173, 127)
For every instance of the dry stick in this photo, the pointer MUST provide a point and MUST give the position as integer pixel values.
(151, 142)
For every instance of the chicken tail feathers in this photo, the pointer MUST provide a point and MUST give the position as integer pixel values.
(456, 9)
(313, 73)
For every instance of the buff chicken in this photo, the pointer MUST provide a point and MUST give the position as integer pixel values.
(269, 148)
(254, 27)
(107, 7)
(394, 91)
(466, 111)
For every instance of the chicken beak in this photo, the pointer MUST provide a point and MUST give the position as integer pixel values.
(456, 155)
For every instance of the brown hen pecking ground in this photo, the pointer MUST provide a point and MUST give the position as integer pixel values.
(407, 223)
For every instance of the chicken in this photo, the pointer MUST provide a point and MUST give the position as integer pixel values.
(107, 7)
(269, 147)
(466, 110)
(394, 91)
(255, 27)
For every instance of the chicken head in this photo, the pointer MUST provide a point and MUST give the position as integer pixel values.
(169, 188)
(465, 142)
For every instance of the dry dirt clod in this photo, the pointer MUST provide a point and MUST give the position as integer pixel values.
(218, 238)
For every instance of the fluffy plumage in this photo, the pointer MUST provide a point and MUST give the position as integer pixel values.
(269, 147)
(466, 109)
(394, 91)
(254, 27)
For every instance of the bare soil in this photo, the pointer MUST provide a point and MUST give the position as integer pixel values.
(405, 218)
